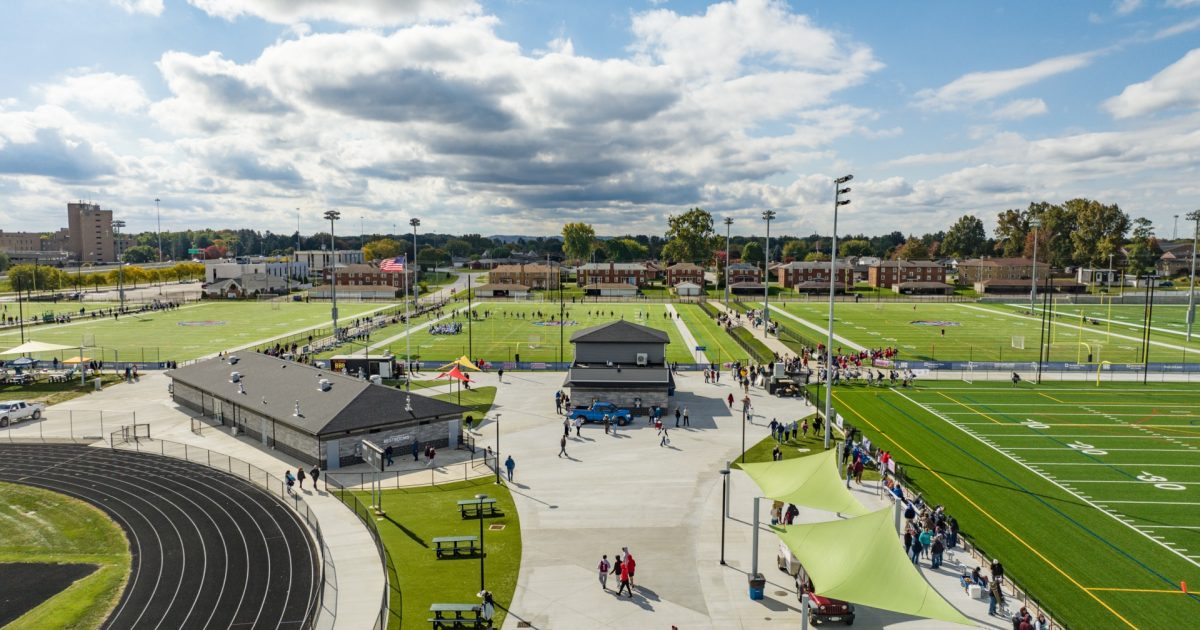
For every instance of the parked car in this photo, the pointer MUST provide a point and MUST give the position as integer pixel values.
(17, 410)
(597, 411)
(1167, 284)
(820, 608)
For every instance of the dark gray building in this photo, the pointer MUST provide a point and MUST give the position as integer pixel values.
(317, 416)
(622, 363)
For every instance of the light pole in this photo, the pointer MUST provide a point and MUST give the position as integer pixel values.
(410, 280)
(333, 215)
(728, 222)
(1108, 276)
(116, 226)
(1194, 215)
(744, 429)
(481, 498)
(1034, 223)
(767, 215)
(497, 449)
(415, 223)
(724, 501)
(158, 218)
(838, 191)
(1175, 232)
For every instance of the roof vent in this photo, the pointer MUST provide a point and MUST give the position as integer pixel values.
(325, 384)
(235, 377)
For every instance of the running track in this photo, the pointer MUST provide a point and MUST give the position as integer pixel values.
(209, 550)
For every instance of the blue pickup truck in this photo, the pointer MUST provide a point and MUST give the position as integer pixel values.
(598, 410)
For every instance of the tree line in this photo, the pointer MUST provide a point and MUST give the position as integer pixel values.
(26, 277)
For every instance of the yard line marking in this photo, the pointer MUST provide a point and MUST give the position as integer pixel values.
(984, 512)
(1182, 483)
(968, 408)
(1051, 479)
(1170, 527)
(1053, 398)
(1074, 435)
(1107, 464)
(1157, 502)
(1110, 450)
(1138, 590)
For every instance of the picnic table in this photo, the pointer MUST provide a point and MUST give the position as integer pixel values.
(453, 544)
(473, 507)
(457, 616)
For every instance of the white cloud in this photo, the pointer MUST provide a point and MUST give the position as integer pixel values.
(1179, 4)
(148, 7)
(1177, 29)
(356, 12)
(1125, 7)
(1022, 108)
(1174, 86)
(102, 91)
(975, 87)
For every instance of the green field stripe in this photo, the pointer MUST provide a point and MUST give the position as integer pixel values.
(706, 331)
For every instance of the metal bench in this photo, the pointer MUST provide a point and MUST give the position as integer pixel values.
(457, 616)
(474, 508)
(453, 545)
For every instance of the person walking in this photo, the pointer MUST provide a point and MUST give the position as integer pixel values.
(289, 480)
(729, 399)
(578, 426)
(315, 473)
(509, 465)
(626, 578)
(630, 564)
(686, 421)
(604, 568)
(562, 447)
(387, 453)
(677, 416)
(416, 448)
(665, 440)
(432, 455)
(617, 567)
(566, 427)
(300, 477)
(500, 375)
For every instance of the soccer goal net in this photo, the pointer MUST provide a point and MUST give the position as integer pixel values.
(1018, 342)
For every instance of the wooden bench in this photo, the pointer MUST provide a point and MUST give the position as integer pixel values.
(457, 616)
(474, 508)
(452, 545)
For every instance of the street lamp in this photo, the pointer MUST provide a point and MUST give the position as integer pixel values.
(728, 222)
(481, 498)
(1194, 215)
(767, 215)
(497, 421)
(116, 226)
(410, 282)
(158, 218)
(724, 501)
(333, 215)
(838, 191)
(1035, 224)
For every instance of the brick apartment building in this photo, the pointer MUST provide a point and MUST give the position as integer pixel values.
(808, 276)
(981, 269)
(744, 272)
(685, 272)
(362, 274)
(888, 273)
(634, 274)
(531, 276)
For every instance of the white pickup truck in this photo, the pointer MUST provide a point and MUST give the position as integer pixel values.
(15, 410)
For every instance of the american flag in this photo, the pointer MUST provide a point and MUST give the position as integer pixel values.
(393, 265)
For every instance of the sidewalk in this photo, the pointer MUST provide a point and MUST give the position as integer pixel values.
(773, 344)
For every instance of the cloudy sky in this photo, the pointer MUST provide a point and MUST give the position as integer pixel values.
(514, 116)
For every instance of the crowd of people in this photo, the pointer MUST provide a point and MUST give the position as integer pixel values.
(450, 328)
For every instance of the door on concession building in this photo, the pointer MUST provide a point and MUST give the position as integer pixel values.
(332, 459)
(265, 435)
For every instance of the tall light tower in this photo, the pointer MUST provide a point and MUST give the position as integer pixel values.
(1034, 223)
(728, 223)
(333, 215)
(1175, 232)
(158, 217)
(1194, 215)
(767, 215)
(116, 227)
(415, 223)
(838, 191)
(411, 281)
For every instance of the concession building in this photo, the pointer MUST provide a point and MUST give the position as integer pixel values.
(622, 363)
(315, 415)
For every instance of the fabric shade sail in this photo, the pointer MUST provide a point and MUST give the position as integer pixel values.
(30, 347)
(455, 374)
(810, 481)
(861, 560)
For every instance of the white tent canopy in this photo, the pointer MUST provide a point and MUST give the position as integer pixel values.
(30, 347)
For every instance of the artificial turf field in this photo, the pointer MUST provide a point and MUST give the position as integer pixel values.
(190, 331)
(1089, 495)
(982, 332)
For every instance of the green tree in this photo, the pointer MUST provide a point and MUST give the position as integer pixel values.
(1099, 230)
(139, 254)
(432, 256)
(3, 261)
(1143, 250)
(691, 237)
(855, 247)
(1057, 225)
(795, 249)
(25, 277)
(1012, 226)
(816, 257)
(966, 238)
(912, 249)
(625, 250)
(457, 247)
(752, 252)
(579, 240)
(382, 249)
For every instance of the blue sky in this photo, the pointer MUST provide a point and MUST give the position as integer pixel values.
(515, 116)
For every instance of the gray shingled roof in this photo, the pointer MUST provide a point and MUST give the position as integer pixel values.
(620, 331)
(631, 376)
(272, 387)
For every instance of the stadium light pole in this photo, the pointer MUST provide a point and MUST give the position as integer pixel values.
(497, 421)
(767, 215)
(1194, 215)
(1175, 231)
(1034, 223)
(333, 215)
(158, 218)
(728, 223)
(838, 191)
(481, 498)
(116, 227)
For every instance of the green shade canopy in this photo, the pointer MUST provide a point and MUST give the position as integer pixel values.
(860, 560)
(811, 481)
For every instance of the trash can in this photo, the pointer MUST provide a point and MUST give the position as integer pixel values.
(99, 383)
(758, 582)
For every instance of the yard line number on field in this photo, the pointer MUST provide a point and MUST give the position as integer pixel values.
(1082, 447)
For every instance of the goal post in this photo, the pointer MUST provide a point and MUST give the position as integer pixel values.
(1018, 342)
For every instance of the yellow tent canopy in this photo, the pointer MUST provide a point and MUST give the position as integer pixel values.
(860, 560)
(77, 359)
(462, 361)
(811, 481)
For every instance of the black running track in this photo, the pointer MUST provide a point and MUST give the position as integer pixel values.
(209, 550)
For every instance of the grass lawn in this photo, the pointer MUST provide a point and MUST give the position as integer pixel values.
(478, 399)
(1090, 496)
(46, 527)
(799, 447)
(53, 393)
(972, 332)
(720, 347)
(185, 333)
(415, 516)
(758, 350)
(511, 329)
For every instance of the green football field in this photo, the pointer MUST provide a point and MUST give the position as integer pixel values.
(981, 332)
(1089, 496)
(188, 332)
(504, 331)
